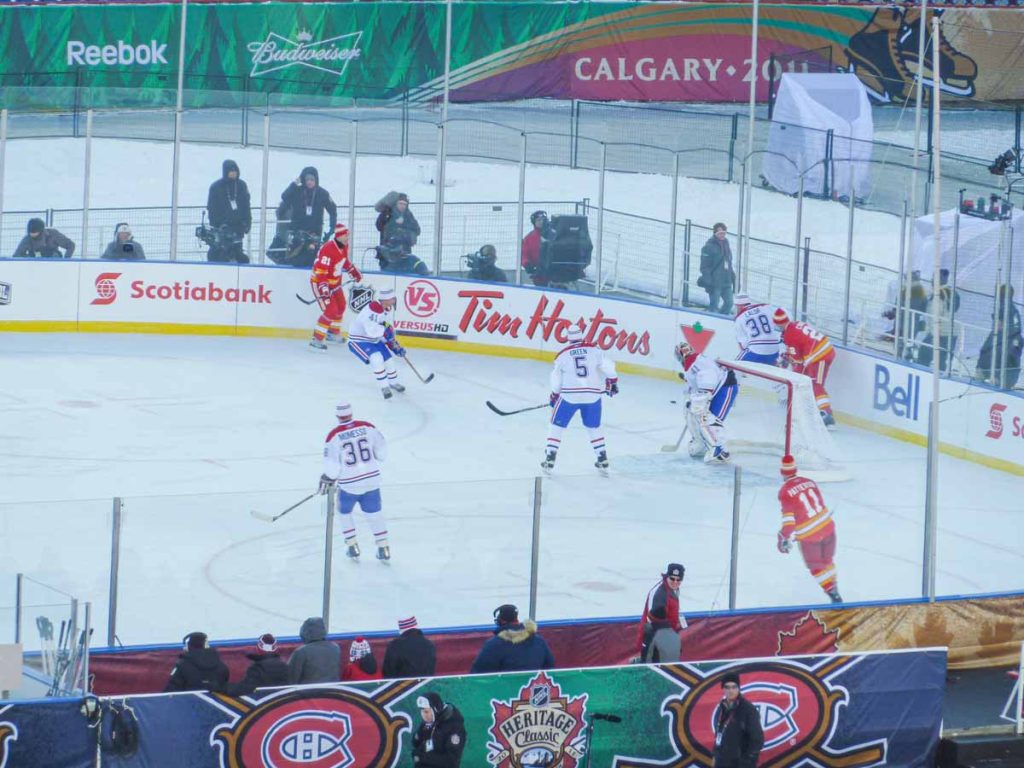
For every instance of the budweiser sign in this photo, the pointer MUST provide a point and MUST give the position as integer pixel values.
(278, 52)
(547, 322)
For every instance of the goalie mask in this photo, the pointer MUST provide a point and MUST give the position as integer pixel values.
(685, 354)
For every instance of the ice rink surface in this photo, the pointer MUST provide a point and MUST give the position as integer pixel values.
(194, 432)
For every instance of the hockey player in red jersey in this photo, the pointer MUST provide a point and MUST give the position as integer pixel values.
(811, 353)
(330, 262)
(805, 517)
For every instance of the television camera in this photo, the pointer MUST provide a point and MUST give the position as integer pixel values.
(224, 243)
(565, 249)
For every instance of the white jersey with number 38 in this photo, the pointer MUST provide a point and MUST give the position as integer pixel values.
(579, 373)
(756, 332)
(353, 454)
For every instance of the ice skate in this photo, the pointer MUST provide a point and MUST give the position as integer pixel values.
(397, 387)
(333, 338)
(834, 596)
(384, 553)
(386, 393)
(602, 463)
(716, 455)
(353, 551)
(829, 419)
(549, 462)
(317, 346)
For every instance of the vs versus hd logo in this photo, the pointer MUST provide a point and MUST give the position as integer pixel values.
(422, 300)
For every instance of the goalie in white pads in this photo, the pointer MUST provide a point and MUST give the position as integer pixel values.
(759, 338)
(581, 376)
(371, 338)
(353, 453)
(712, 392)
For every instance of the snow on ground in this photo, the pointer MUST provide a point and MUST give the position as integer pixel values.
(195, 432)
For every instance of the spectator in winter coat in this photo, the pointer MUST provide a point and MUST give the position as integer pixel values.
(318, 660)
(531, 248)
(199, 668)
(410, 654)
(738, 733)
(1005, 338)
(395, 221)
(362, 664)
(44, 243)
(123, 247)
(716, 273)
(441, 737)
(228, 203)
(303, 203)
(661, 622)
(516, 646)
(948, 302)
(267, 670)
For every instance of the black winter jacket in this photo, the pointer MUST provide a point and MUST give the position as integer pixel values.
(223, 192)
(296, 200)
(266, 671)
(410, 654)
(199, 669)
(46, 246)
(716, 270)
(440, 744)
(741, 735)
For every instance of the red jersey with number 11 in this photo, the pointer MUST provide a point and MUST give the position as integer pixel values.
(804, 513)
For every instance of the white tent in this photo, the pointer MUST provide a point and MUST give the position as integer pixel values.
(807, 107)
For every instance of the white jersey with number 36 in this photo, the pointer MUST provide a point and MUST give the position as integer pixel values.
(579, 373)
(353, 454)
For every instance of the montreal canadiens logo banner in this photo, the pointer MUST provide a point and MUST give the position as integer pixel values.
(853, 710)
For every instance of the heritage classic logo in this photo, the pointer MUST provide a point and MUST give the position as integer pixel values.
(601, 330)
(995, 420)
(422, 298)
(331, 55)
(541, 727)
(106, 290)
(312, 729)
(8, 733)
(798, 711)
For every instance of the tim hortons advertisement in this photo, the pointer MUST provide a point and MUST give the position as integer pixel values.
(815, 711)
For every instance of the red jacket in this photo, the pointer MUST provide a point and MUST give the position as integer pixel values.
(364, 669)
(664, 602)
(531, 249)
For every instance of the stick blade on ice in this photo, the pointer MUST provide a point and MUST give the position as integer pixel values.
(264, 516)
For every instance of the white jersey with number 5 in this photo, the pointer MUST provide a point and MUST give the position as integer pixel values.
(579, 373)
(756, 332)
(353, 454)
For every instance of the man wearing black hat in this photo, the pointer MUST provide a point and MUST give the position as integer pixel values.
(199, 668)
(441, 737)
(661, 623)
(43, 242)
(515, 647)
(738, 733)
(266, 671)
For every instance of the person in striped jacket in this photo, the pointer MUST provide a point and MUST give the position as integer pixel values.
(809, 352)
(806, 518)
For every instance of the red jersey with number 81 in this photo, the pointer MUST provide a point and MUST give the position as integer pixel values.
(804, 513)
(330, 262)
(804, 344)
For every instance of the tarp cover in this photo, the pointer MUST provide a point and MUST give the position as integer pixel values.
(807, 107)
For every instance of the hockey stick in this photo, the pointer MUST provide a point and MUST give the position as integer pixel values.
(315, 300)
(674, 448)
(430, 376)
(268, 518)
(305, 301)
(500, 412)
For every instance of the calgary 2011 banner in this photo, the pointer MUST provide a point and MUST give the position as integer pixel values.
(850, 710)
(662, 51)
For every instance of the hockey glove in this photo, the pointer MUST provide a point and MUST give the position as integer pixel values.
(682, 376)
(356, 275)
(396, 349)
(784, 544)
(611, 387)
(323, 294)
(326, 483)
(553, 400)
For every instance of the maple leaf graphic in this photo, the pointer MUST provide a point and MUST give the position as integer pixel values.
(809, 635)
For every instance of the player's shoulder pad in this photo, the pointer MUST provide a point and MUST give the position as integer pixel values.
(375, 306)
(366, 424)
(333, 433)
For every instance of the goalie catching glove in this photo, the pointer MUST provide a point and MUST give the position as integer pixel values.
(326, 483)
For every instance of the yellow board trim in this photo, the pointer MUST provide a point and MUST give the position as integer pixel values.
(469, 347)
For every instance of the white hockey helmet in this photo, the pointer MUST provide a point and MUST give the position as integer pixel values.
(741, 300)
(344, 412)
(386, 294)
(574, 335)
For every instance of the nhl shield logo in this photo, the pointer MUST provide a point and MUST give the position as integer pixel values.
(359, 296)
(539, 728)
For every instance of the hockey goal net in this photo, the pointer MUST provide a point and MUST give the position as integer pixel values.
(776, 413)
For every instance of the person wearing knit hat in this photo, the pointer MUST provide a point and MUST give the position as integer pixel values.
(582, 375)
(331, 261)
(362, 664)
(266, 670)
(124, 247)
(739, 736)
(516, 646)
(43, 242)
(807, 518)
(658, 641)
(411, 654)
(811, 353)
(199, 667)
(441, 736)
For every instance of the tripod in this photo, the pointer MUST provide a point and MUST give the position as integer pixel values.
(589, 732)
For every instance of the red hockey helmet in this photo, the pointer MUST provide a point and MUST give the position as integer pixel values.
(780, 317)
(788, 468)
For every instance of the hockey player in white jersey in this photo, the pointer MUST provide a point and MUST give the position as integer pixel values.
(759, 338)
(581, 376)
(712, 392)
(353, 453)
(371, 338)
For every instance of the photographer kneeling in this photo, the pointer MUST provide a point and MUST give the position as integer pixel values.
(395, 256)
(482, 265)
(123, 247)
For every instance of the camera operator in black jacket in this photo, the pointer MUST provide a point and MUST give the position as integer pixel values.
(441, 737)
(482, 265)
(301, 220)
(230, 210)
(395, 255)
